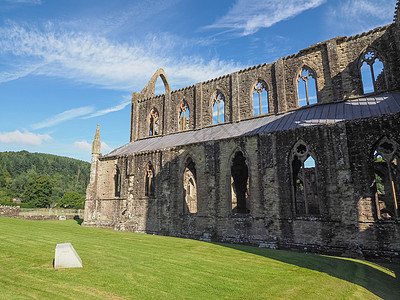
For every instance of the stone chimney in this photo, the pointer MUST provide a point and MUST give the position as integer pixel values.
(397, 13)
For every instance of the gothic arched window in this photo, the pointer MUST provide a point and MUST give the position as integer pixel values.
(153, 122)
(307, 87)
(260, 99)
(149, 181)
(183, 121)
(372, 73)
(239, 183)
(219, 108)
(304, 181)
(387, 179)
(190, 187)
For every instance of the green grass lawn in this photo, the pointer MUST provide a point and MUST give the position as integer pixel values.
(121, 265)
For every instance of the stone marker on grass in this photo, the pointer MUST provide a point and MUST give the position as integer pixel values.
(66, 257)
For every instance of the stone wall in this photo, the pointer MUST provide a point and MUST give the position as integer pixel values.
(9, 211)
(343, 160)
(335, 62)
(347, 221)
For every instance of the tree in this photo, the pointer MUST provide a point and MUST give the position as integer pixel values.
(72, 200)
(5, 178)
(38, 191)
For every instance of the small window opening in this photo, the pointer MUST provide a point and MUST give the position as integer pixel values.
(387, 180)
(306, 87)
(149, 181)
(260, 99)
(239, 183)
(219, 109)
(153, 120)
(117, 181)
(190, 188)
(372, 73)
(183, 122)
(304, 182)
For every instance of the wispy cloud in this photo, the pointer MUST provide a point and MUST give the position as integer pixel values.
(64, 116)
(87, 58)
(354, 16)
(103, 112)
(25, 138)
(34, 2)
(85, 146)
(247, 17)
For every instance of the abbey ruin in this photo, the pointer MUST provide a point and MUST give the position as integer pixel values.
(302, 153)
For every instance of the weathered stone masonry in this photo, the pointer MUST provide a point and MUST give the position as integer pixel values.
(249, 179)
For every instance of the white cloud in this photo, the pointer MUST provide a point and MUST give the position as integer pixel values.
(105, 148)
(25, 138)
(85, 146)
(250, 16)
(34, 2)
(17, 72)
(64, 116)
(92, 59)
(103, 112)
(360, 15)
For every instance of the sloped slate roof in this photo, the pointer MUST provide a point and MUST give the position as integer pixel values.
(325, 114)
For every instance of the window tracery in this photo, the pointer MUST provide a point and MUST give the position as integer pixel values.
(372, 72)
(183, 121)
(306, 87)
(219, 108)
(154, 122)
(260, 99)
(190, 187)
(386, 162)
(304, 181)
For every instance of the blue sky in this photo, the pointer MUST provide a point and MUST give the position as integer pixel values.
(66, 66)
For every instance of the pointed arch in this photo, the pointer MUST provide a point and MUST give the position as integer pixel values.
(386, 182)
(218, 105)
(153, 121)
(149, 89)
(306, 81)
(190, 187)
(183, 116)
(304, 180)
(372, 71)
(239, 183)
(260, 98)
(149, 180)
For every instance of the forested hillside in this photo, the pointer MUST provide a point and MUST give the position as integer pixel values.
(41, 179)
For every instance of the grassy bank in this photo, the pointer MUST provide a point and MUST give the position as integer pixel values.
(122, 265)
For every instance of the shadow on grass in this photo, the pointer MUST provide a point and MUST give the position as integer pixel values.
(382, 280)
(78, 220)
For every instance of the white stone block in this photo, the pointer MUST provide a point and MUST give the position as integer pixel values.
(66, 257)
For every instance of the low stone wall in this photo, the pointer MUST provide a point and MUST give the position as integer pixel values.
(47, 217)
(40, 214)
(9, 211)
